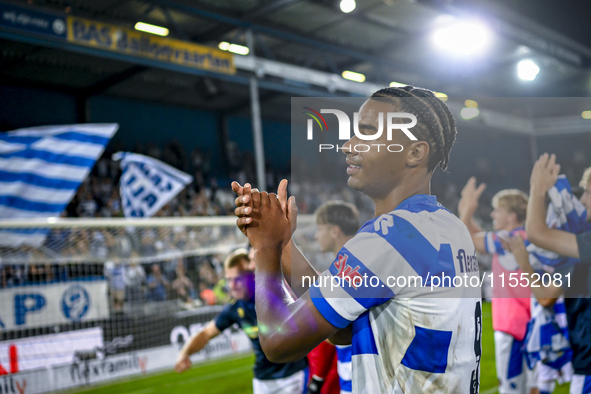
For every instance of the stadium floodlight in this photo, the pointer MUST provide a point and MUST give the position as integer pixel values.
(462, 38)
(397, 84)
(347, 6)
(469, 113)
(234, 48)
(471, 104)
(527, 70)
(586, 114)
(442, 96)
(152, 29)
(353, 76)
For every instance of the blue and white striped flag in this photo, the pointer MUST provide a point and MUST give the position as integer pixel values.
(566, 213)
(41, 169)
(547, 341)
(147, 184)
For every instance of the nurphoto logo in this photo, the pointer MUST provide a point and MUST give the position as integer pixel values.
(345, 129)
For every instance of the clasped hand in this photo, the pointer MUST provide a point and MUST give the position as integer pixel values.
(267, 219)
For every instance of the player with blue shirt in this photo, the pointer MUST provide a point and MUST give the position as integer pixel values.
(578, 293)
(405, 338)
(269, 377)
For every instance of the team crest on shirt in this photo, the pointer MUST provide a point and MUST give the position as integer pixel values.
(347, 271)
(240, 313)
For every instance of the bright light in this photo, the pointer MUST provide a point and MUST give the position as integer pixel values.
(469, 113)
(463, 38)
(234, 48)
(442, 96)
(348, 6)
(527, 70)
(397, 84)
(353, 76)
(586, 114)
(471, 104)
(153, 29)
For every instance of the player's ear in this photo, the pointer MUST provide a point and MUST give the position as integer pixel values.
(417, 153)
(335, 231)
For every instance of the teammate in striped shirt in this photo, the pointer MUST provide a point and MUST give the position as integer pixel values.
(405, 339)
(510, 305)
(336, 223)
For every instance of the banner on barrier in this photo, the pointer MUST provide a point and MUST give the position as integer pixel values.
(30, 382)
(46, 350)
(37, 306)
(132, 42)
(32, 21)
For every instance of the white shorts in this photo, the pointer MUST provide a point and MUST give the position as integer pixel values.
(512, 371)
(294, 384)
(580, 384)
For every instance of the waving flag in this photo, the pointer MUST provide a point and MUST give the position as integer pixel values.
(566, 213)
(547, 341)
(40, 170)
(147, 184)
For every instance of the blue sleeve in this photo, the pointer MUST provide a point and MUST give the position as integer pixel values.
(226, 318)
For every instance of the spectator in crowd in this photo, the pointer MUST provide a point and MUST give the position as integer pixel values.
(135, 277)
(158, 285)
(182, 285)
(115, 274)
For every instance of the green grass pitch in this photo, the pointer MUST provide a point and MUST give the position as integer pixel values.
(235, 375)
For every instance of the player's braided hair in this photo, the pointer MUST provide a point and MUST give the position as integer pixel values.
(436, 124)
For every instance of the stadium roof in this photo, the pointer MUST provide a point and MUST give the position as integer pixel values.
(385, 40)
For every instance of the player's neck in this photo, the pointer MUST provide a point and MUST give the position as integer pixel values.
(513, 226)
(398, 195)
(339, 245)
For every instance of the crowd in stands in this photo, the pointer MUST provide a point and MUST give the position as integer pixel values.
(130, 260)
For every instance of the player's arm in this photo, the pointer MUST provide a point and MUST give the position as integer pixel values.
(288, 330)
(546, 296)
(194, 345)
(543, 177)
(467, 207)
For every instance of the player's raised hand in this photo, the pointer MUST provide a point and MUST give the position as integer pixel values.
(544, 174)
(516, 245)
(470, 196)
(243, 205)
(271, 227)
(182, 363)
(288, 206)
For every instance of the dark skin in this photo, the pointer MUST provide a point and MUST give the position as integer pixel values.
(291, 329)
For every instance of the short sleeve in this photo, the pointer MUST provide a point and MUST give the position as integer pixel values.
(226, 318)
(363, 275)
(584, 245)
(492, 243)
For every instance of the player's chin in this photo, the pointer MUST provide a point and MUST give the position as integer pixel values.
(355, 183)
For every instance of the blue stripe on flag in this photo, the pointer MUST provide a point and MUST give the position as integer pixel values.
(82, 137)
(363, 340)
(587, 384)
(39, 180)
(428, 350)
(26, 205)
(51, 157)
(515, 360)
(326, 310)
(18, 139)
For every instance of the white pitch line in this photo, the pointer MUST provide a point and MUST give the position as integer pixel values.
(490, 391)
